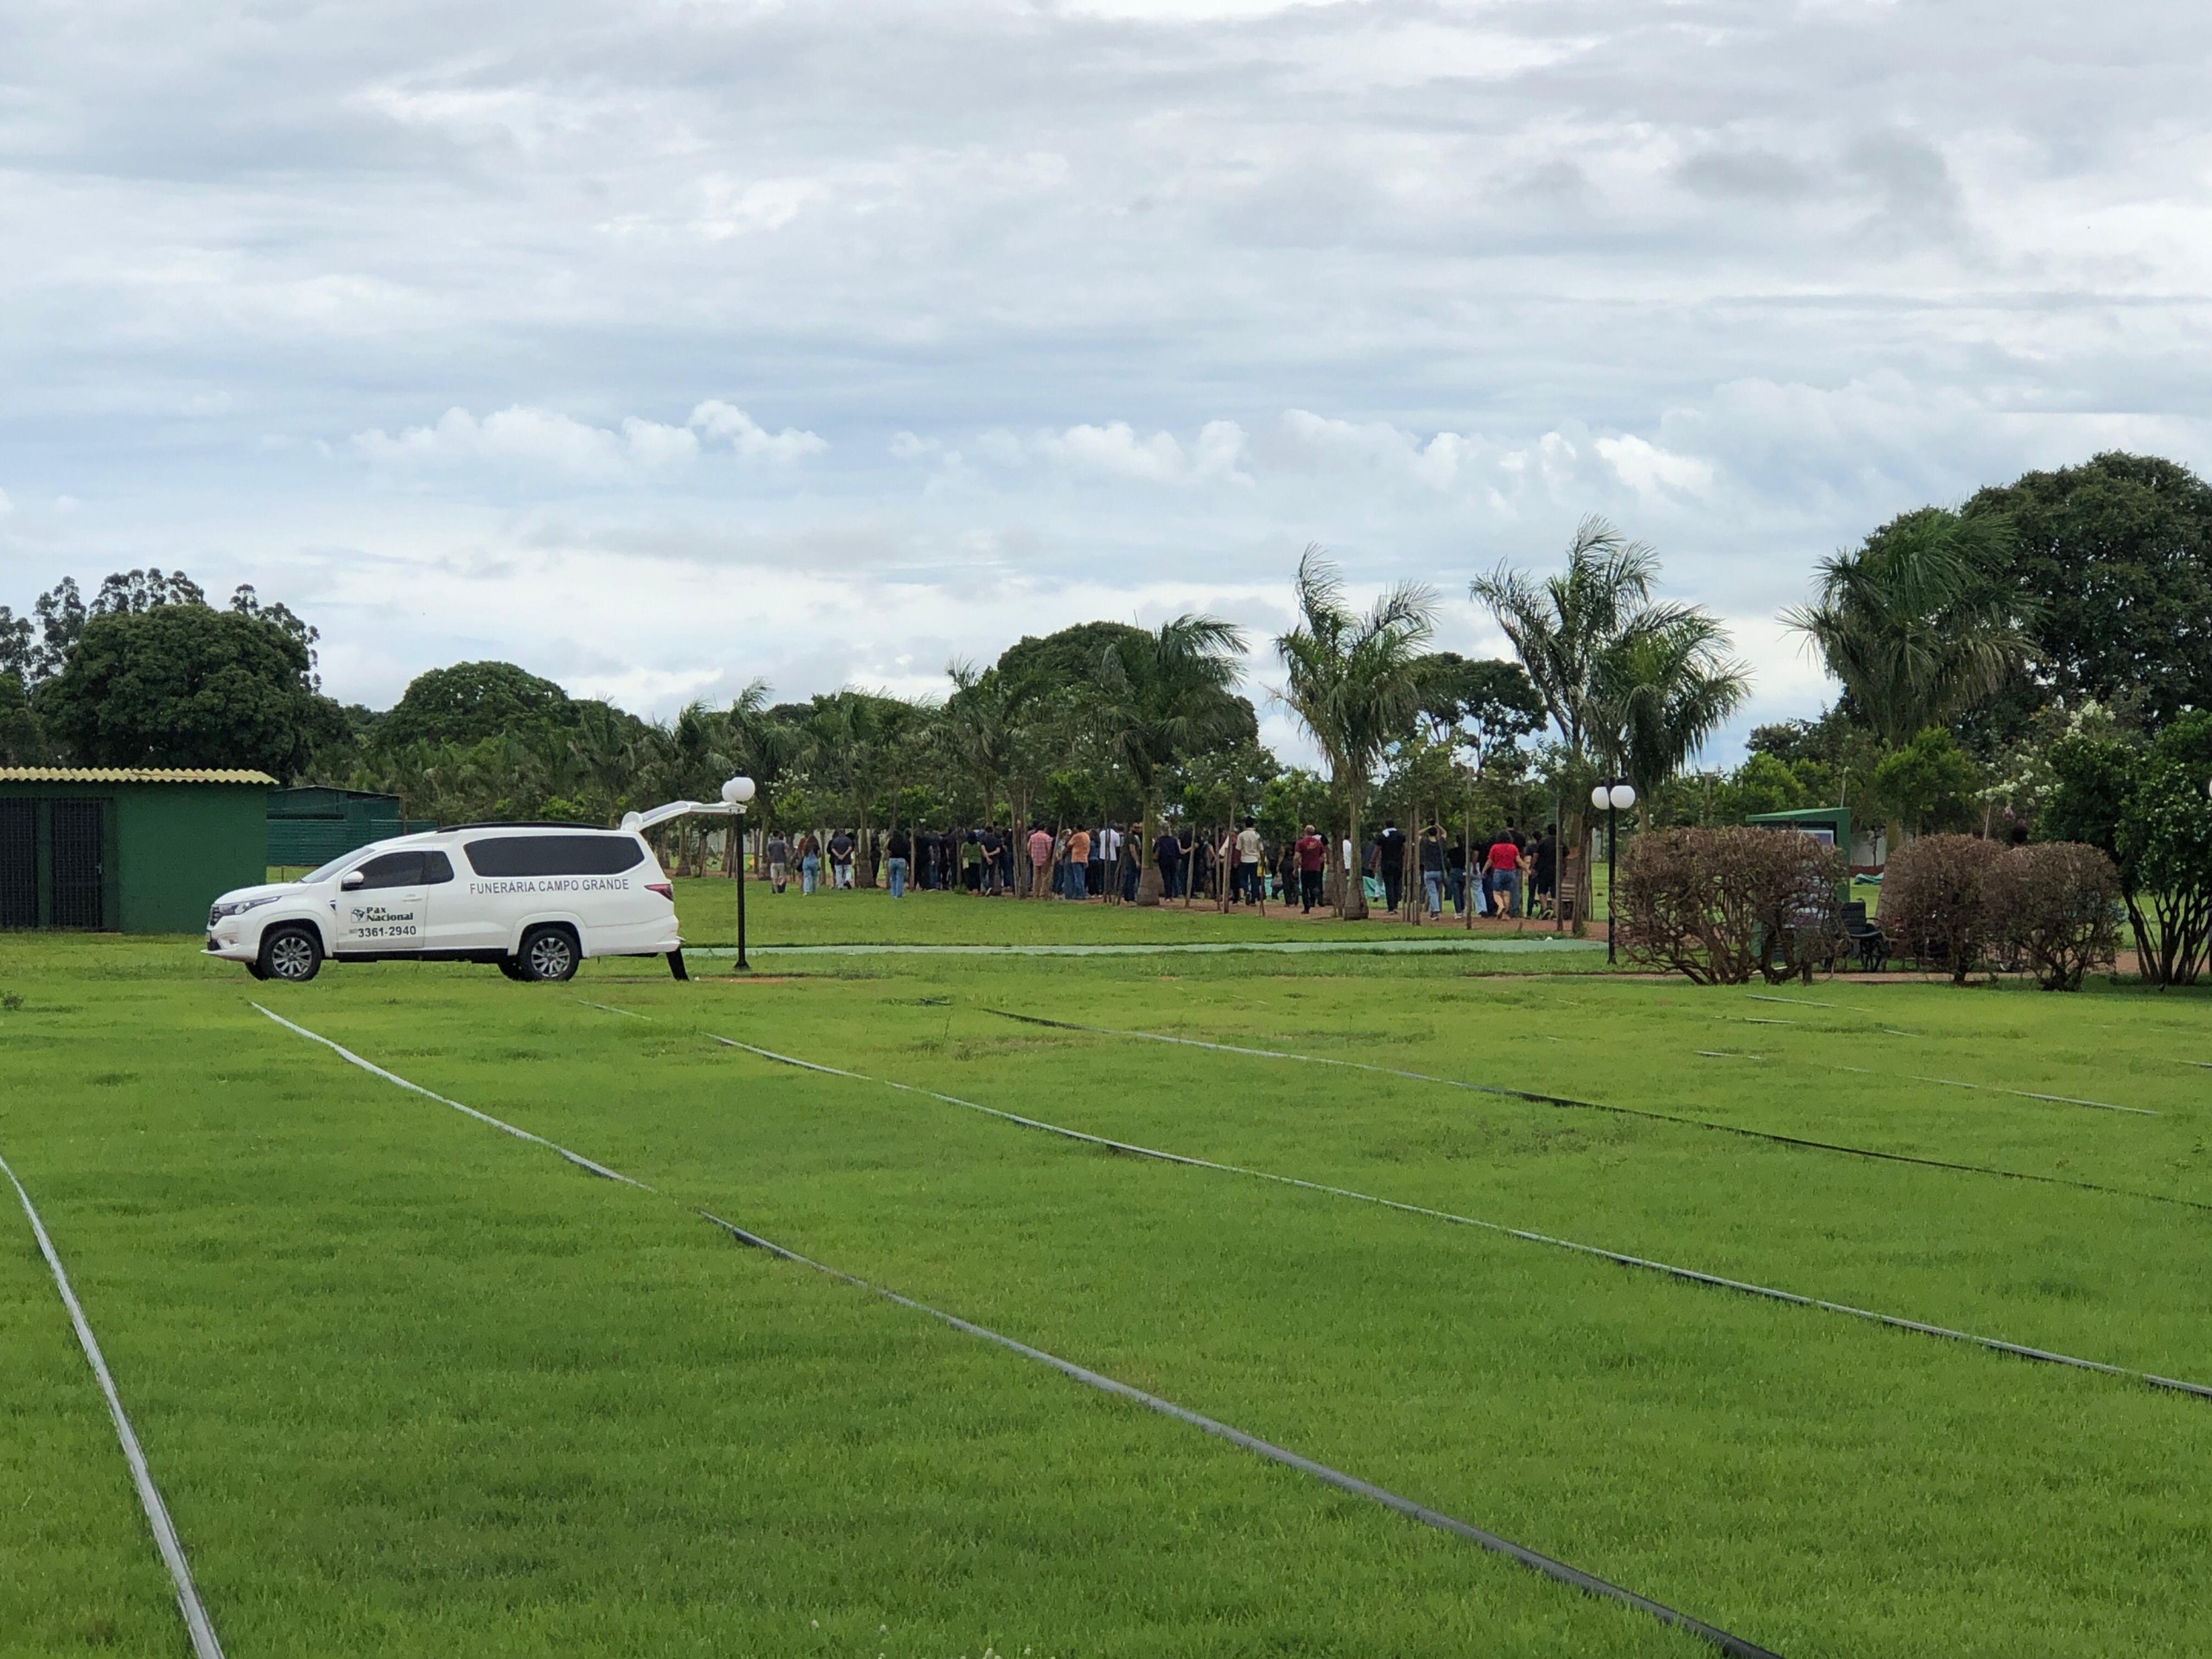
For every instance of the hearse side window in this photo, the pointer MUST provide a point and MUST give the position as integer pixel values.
(553, 854)
(393, 870)
(436, 867)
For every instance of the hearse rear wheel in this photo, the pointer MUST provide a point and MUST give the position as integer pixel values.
(549, 954)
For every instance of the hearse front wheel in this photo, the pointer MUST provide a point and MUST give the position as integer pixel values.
(292, 954)
(549, 954)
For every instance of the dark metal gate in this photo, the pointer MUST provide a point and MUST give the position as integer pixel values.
(78, 860)
(18, 863)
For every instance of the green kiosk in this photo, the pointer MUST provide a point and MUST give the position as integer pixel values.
(1829, 825)
(134, 850)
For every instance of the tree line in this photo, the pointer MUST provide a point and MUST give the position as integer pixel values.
(2041, 653)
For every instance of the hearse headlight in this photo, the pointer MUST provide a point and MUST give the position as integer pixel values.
(239, 907)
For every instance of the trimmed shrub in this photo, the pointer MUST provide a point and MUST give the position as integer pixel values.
(2054, 902)
(1934, 907)
(1715, 905)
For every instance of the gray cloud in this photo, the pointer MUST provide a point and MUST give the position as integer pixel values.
(1085, 309)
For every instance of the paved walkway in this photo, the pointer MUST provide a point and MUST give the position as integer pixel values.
(1475, 946)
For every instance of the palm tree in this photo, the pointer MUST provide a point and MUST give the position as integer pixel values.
(1663, 690)
(1163, 695)
(1562, 628)
(1354, 681)
(1916, 634)
(1623, 679)
(981, 719)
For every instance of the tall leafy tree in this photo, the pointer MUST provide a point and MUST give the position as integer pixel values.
(23, 736)
(1163, 695)
(185, 685)
(2147, 806)
(470, 702)
(1354, 680)
(1479, 704)
(1913, 625)
(2112, 562)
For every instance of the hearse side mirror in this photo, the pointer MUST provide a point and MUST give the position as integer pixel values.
(352, 879)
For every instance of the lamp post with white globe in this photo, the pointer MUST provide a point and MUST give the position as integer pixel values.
(1612, 796)
(737, 795)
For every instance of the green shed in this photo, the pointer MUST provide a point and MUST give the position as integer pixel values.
(127, 848)
(1831, 824)
(311, 826)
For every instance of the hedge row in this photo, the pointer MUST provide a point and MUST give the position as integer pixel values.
(1960, 902)
(1718, 906)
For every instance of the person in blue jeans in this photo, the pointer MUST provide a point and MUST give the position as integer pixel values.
(810, 862)
(1503, 862)
(1431, 871)
(899, 848)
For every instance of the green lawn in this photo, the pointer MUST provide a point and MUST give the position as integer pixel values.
(708, 908)
(413, 1387)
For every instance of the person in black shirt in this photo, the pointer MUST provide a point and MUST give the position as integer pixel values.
(900, 851)
(1546, 871)
(1392, 849)
(988, 840)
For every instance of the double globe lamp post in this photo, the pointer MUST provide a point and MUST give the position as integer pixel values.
(1610, 797)
(737, 795)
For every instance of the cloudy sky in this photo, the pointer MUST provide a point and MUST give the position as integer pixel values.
(660, 345)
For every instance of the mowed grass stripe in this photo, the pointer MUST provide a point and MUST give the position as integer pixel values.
(1689, 1275)
(441, 1400)
(198, 1627)
(75, 1571)
(1943, 1083)
(1568, 1102)
(1575, 1577)
(2058, 1277)
(1836, 1497)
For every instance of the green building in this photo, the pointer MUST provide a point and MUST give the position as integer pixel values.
(311, 826)
(127, 848)
(1866, 852)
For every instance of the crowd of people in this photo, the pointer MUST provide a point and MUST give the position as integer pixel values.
(1509, 873)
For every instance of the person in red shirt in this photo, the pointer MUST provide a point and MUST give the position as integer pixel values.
(1313, 855)
(1504, 863)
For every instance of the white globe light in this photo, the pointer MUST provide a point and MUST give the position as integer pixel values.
(738, 790)
(1600, 799)
(1623, 797)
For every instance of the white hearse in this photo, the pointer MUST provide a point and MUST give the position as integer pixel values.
(534, 899)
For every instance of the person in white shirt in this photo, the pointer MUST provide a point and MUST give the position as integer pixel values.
(1248, 848)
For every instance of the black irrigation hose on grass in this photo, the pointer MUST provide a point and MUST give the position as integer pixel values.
(1800, 1142)
(197, 1624)
(1589, 1584)
(1572, 1577)
(1618, 1258)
